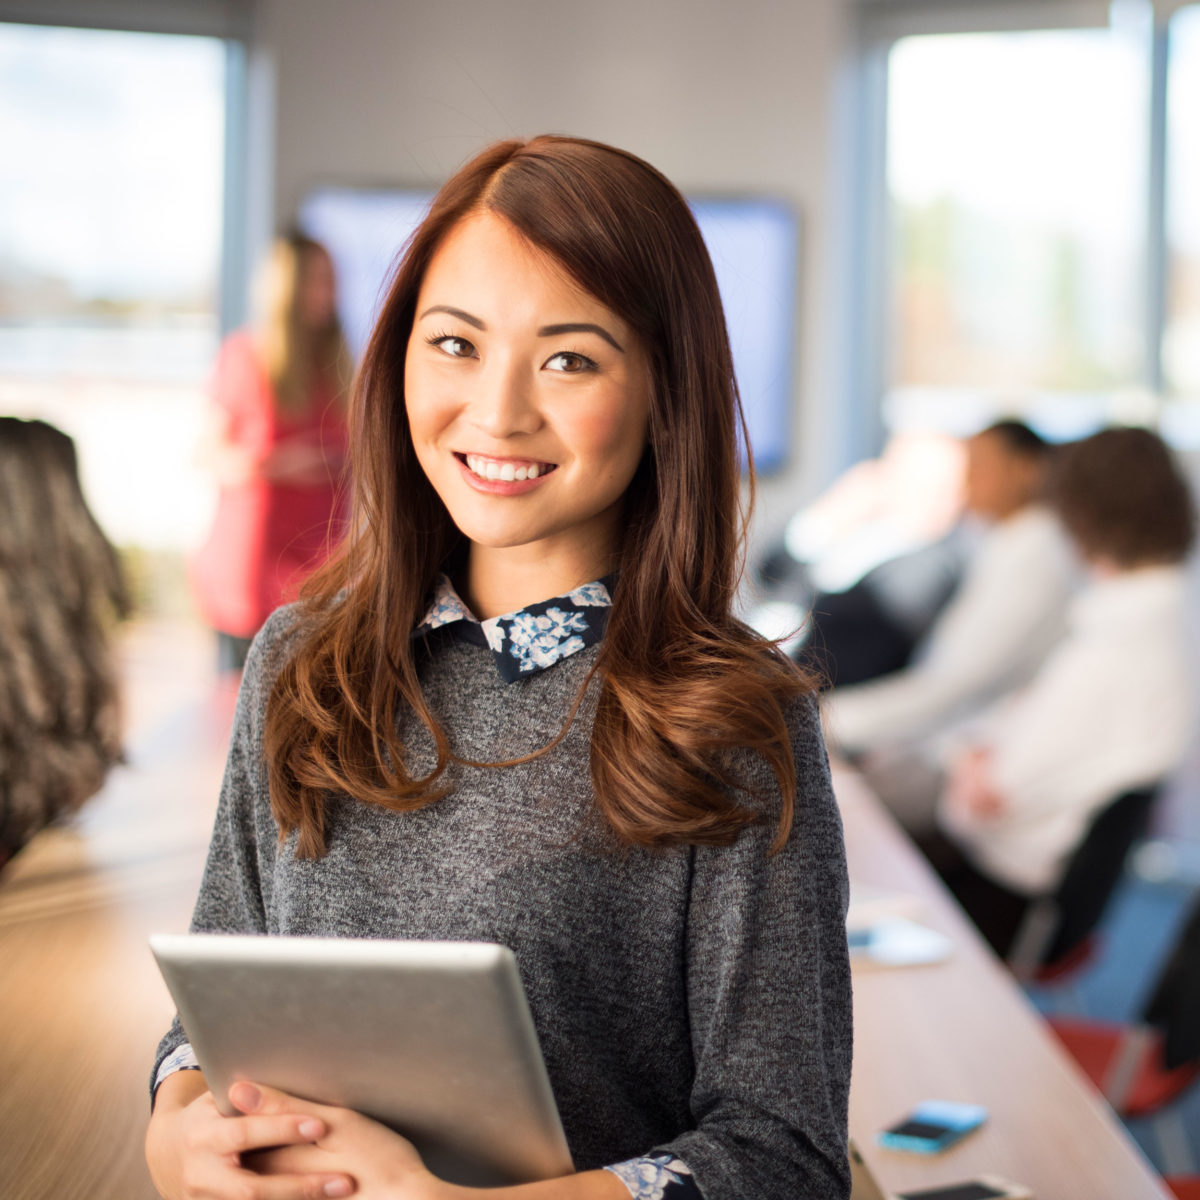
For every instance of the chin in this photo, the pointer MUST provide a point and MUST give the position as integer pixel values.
(496, 535)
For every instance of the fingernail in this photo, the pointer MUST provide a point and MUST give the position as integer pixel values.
(248, 1097)
(338, 1187)
(311, 1128)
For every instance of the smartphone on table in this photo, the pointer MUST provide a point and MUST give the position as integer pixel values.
(986, 1187)
(933, 1126)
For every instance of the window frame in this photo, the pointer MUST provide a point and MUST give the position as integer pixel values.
(246, 197)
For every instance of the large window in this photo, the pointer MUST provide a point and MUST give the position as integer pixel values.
(1042, 222)
(1014, 168)
(1015, 172)
(110, 229)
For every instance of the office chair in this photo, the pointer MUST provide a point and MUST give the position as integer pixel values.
(1056, 937)
(1141, 1069)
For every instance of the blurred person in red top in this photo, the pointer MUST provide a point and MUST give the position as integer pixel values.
(276, 445)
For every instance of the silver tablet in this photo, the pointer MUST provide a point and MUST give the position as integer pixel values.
(432, 1038)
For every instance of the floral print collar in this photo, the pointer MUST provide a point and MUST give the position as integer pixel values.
(530, 640)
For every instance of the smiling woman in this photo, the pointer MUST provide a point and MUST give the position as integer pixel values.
(503, 403)
(520, 710)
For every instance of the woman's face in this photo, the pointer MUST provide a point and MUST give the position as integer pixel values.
(998, 481)
(527, 398)
(317, 299)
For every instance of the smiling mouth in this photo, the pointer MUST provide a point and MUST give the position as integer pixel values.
(506, 470)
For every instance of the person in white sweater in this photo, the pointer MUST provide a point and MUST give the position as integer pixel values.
(1008, 613)
(1113, 707)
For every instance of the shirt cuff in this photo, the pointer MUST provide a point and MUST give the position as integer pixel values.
(657, 1177)
(183, 1058)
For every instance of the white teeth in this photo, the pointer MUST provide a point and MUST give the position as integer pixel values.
(487, 468)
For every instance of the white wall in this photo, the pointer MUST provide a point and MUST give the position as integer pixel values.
(719, 96)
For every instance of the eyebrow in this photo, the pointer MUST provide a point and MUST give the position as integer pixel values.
(545, 331)
(581, 327)
(454, 312)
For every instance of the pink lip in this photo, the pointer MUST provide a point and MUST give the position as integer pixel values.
(501, 487)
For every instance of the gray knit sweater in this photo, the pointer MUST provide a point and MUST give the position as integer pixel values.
(692, 1001)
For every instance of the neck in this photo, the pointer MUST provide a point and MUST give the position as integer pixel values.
(1102, 567)
(505, 580)
(1012, 508)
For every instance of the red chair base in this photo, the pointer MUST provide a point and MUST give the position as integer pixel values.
(1095, 1045)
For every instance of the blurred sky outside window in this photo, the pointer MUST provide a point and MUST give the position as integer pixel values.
(1016, 168)
(110, 240)
(1181, 343)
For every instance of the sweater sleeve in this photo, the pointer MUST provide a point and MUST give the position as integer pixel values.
(232, 897)
(768, 985)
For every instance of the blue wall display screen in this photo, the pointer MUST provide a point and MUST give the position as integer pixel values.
(754, 247)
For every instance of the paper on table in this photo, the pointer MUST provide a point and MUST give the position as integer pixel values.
(898, 942)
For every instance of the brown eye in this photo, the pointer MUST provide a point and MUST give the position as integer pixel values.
(454, 347)
(570, 363)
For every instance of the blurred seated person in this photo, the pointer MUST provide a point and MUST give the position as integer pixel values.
(1112, 708)
(1007, 614)
(61, 592)
(861, 572)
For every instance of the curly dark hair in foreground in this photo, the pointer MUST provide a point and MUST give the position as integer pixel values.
(61, 591)
(1122, 497)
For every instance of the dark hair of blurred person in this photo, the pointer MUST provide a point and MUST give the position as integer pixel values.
(1124, 500)
(61, 592)
(1005, 470)
(276, 446)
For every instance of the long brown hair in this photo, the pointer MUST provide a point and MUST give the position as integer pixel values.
(683, 683)
(292, 354)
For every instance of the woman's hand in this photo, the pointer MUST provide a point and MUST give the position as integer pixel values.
(195, 1153)
(298, 460)
(971, 793)
(383, 1165)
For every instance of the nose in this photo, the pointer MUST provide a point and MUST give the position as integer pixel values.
(503, 403)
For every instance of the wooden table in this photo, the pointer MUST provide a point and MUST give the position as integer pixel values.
(963, 1030)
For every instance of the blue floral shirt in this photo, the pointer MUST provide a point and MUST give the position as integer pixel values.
(533, 639)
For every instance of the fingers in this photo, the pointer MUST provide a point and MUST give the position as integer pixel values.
(245, 1185)
(296, 1187)
(243, 1134)
(249, 1097)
